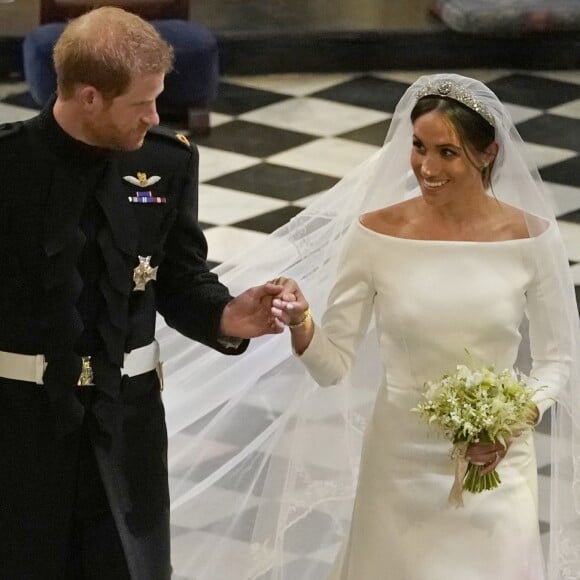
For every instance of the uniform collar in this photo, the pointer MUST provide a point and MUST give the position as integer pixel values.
(64, 145)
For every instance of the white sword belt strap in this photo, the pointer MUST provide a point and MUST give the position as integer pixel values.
(30, 367)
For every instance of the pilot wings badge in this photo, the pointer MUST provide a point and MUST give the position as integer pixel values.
(142, 180)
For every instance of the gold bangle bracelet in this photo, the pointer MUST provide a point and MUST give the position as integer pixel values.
(304, 321)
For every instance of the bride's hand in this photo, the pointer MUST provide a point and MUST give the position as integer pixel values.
(488, 455)
(290, 306)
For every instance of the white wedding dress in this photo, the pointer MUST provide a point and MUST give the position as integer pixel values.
(264, 464)
(432, 300)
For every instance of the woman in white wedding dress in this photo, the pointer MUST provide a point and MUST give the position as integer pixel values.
(451, 269)
(444, 240)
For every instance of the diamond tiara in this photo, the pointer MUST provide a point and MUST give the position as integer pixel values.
(456, 92)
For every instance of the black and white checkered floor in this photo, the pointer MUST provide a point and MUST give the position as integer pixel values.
(279, 141)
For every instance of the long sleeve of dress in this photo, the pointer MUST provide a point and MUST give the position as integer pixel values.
(334, 345)
(550, 331)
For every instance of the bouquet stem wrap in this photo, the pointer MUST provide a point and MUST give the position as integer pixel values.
(461, 467)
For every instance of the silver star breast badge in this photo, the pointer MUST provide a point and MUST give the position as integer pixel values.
(143, 273)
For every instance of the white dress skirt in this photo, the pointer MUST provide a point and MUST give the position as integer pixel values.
(431, 301)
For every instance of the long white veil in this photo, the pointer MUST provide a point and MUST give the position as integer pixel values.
(263, 463)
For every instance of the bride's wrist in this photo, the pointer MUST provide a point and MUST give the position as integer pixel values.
(305, 323)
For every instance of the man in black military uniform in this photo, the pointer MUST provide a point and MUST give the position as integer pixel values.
(98, 231)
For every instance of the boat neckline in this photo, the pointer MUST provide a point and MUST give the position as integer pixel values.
(458, 242)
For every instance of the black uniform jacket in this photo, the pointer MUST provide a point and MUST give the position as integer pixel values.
(70, 239)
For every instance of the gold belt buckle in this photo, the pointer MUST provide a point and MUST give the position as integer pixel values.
(86, 376)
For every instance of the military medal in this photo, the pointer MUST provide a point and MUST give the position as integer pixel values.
(143, 273)
(146, 197)
(141, 180)
(86, 377)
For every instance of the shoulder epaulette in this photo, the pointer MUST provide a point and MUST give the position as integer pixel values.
(174, 136)
(7, 129)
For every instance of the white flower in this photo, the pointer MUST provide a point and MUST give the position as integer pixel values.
(463, 372)
(474, 380)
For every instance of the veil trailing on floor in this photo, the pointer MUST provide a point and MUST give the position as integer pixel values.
(263, 463)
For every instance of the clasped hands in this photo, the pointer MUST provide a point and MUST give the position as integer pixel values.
(289, 307)
(265, 309)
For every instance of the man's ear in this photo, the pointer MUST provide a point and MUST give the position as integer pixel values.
(88, 96)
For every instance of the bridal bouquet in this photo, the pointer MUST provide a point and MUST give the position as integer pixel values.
(477, 405)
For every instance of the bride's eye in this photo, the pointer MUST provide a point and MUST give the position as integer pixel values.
(418, 145)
